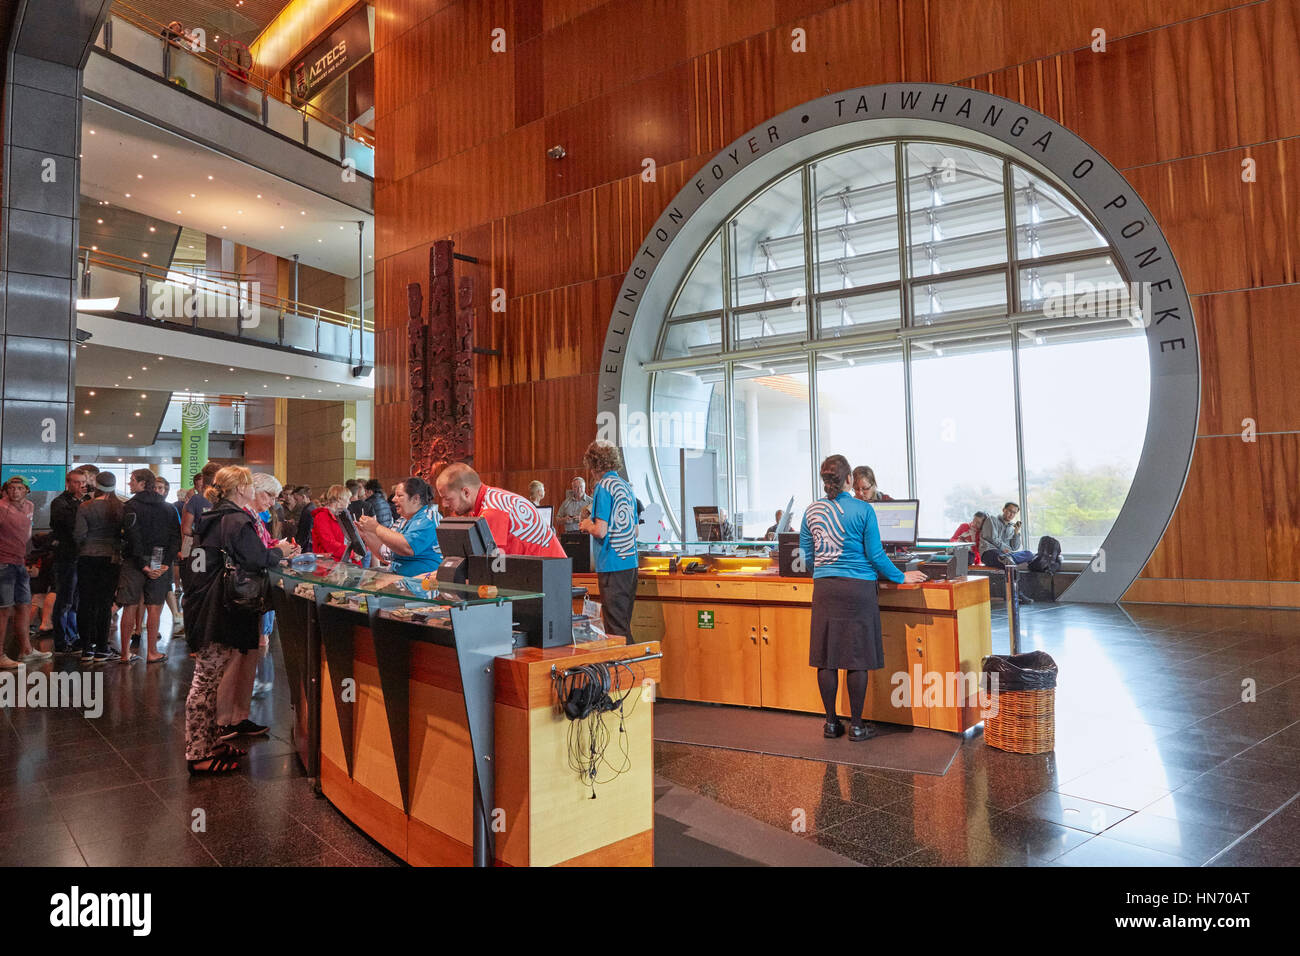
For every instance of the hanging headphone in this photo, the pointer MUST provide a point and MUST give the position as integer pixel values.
(585, 691)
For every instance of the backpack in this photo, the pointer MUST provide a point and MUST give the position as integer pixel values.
(1048, 557)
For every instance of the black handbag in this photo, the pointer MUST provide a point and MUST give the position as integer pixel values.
(245, 590)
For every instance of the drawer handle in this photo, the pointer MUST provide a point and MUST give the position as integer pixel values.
(765, 640)
(753, 634)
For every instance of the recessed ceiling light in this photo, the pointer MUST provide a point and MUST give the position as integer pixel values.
(92, 132)
(153, 229)
(128, 195)
(86, 412)
(128, 435)
(144, 368)
(286, 378)
(139, 175)
(302, 212)
(239, 212)
(137, 414)
(282, 227)
(100, 221)
(178, 212)
(230, 370)
(205, 380)
(320, 240)
(81, 434)
(129, 377)
(209, 177)
(92, 391)
(119, 459)
(340, 227)
(259, 195)
(94, 248)
(223, 227)
(191, 195)
(144, 255)
(155, 155)
(143, 395)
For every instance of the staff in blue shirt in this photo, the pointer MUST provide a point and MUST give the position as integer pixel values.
(841, 538)
(612, 523)
(413, 540)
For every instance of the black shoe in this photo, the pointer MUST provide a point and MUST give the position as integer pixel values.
(1024, 600)
(227, 731)
(831, 731)
(861, 732)
(249, 729)
(135, 642)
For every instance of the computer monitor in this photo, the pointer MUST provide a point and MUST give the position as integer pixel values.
(707, 523)
(897, 520)
(459, 539)
(548, 514)
(351, 535)
(784, 523)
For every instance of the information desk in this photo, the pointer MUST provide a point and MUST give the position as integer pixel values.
(741, 637)
(434, 733)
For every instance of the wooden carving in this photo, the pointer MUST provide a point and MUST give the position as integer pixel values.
(441, 367)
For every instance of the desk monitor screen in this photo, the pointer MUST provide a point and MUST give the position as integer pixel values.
(784, 524)
(707, 523)
(548, 514)
(897, 520)
(463, 537)
(351, 535)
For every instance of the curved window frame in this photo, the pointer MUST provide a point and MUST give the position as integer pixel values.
(1013, 320)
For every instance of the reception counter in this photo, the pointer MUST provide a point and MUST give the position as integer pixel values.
(741, 637)
(413, 706)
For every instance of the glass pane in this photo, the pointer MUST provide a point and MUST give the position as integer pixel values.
(702, 291)
(857, 219)
(687, 411)
(1081, 454)
(968, 298)
(778, 324)
(964, 420)
(957, 212)
(767, 260)
(844, 315)
(861, 414)
(1088, 287)
(693, 337)
(773, 441)
(1046, 222)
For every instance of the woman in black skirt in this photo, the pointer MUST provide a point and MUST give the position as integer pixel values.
(841, 538)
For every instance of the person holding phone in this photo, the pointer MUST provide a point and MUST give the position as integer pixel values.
(840, 538)
(152, 541)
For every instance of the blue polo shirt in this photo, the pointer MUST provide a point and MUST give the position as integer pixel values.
(613, 502)
(421, 533)
(841, 537)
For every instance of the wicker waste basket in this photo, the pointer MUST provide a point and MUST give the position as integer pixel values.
(1021, 718)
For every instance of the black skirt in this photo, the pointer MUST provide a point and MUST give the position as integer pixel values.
(845, 625)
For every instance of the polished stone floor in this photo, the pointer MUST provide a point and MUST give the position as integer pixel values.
(1158, 762)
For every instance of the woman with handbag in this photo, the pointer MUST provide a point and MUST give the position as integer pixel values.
(225, 596)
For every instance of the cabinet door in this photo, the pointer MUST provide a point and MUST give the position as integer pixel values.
(788, 682)
(903, 635)
(717, 664)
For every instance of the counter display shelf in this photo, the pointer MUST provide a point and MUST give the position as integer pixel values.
(429, 724)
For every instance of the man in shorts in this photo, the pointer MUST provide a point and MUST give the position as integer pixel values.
(15, 583)
(153, 538)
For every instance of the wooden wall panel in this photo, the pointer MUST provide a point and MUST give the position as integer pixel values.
(1185, 91)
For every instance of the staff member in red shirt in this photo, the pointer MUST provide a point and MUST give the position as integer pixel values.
(327, 535)
(517, 527)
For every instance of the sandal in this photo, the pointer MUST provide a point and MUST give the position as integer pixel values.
(216, 763)
(228, 750)
(158, 660)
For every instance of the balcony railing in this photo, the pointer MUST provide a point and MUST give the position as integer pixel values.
(225, 304)
(145, 43)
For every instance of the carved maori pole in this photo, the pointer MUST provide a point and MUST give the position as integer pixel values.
(440, 350)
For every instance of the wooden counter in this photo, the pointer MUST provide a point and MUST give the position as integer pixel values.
(738, 638)
(394, 753)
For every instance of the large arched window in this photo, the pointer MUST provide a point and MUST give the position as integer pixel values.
(933, 310)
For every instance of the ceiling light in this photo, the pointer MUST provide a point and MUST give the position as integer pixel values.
(155, 155)
(223, 227)
(139, 175)
(259, 195)
(92, 391)
(302, 212)
(144, 255)
(158, 357)
(178, 212)
(94, 248)
(81, 434)
(153, 229)
(143, 395)
(129, 377)
(137, 414)
(128, 435)
(100, 221)
(191, 195)
(86, 412)
(205, 380)
(230, 370)
(209, 177)
(92, 132)
(282, 227)
(128, 195)
(144, 368)
(286, 378)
